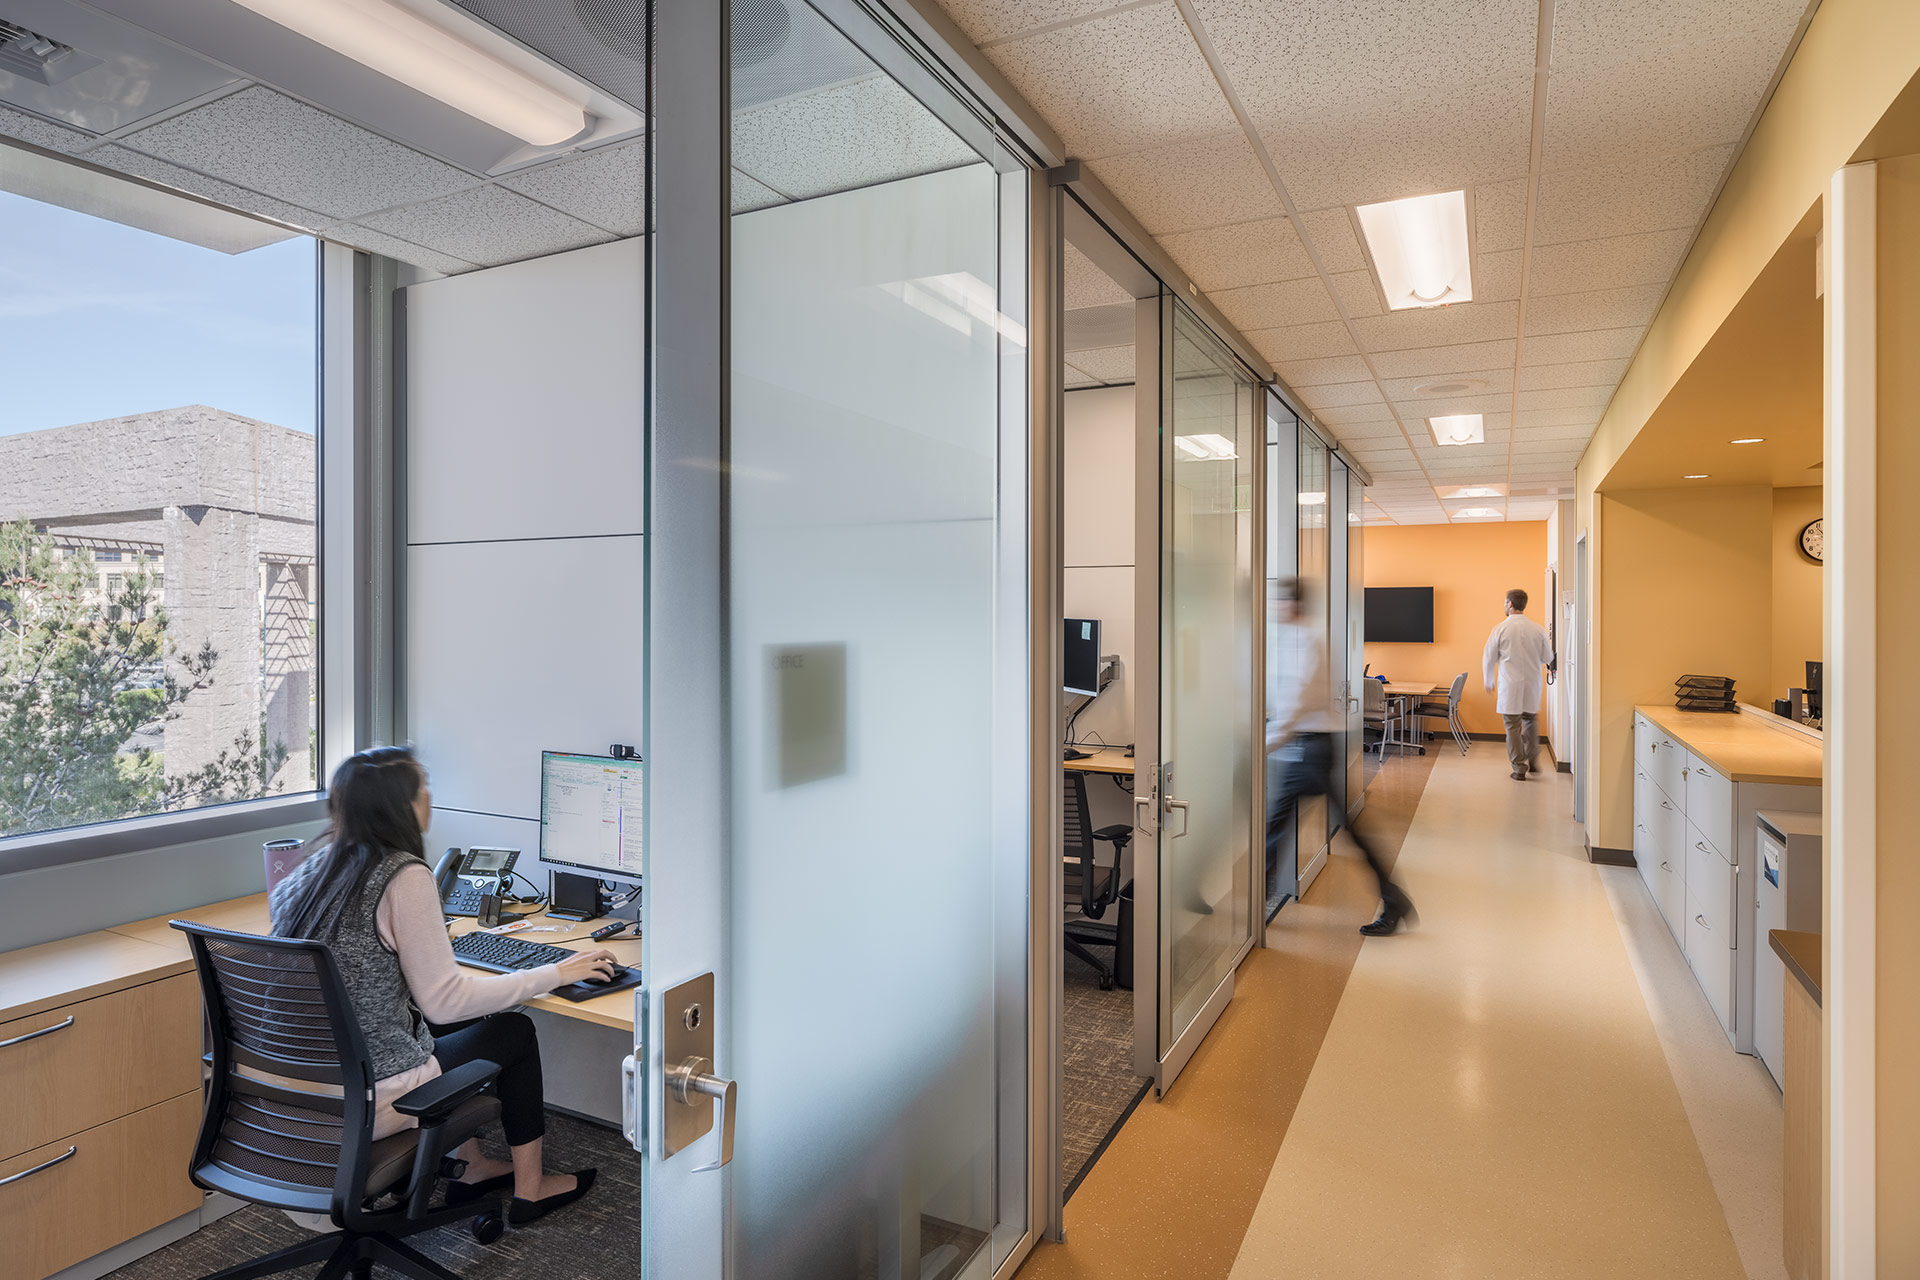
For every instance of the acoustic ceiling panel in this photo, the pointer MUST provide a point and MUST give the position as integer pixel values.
(1578, 373)
(1270, 306)
(986, 21)
(749, 194)
(1496, 276)
(606, 187)
(840, 138)
(1595, 344)
(399, 250)
(1345, 393)
(1601, 309)
(1655, 193)
(487, 225)
(1439, 326)
(1109, 364)
(41, 133)
(141, 165)
(1303, 342)
(1495, 381)
(1310, 373)
(1587, 31)
(1187, 186)
(1447, 359)
(1333, 237)
(1086, 285)
(1614, 263)
(1247, 253)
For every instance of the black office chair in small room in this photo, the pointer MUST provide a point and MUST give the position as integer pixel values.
(303, 1140)
(1091, 888)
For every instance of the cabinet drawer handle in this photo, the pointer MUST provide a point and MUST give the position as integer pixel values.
(1666, 804)
(1664, 866)
(35, 1035)
(1702, 922)
(28, 1173)
(1701, 845)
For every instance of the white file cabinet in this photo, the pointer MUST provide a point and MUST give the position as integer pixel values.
(1696, 845)
(1787, 896)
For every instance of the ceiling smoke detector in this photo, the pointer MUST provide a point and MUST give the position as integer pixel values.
(37, 57)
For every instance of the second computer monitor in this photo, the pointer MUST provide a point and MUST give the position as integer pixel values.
(1083, 656)
(591, 813)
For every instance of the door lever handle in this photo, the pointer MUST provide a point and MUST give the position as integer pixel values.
(1181, 805)
(692, 1077)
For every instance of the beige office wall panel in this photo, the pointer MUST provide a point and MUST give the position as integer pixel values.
(525, 399)
(1097, 479)
(518, 647)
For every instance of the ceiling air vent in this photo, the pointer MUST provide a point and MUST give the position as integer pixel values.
(37, 57)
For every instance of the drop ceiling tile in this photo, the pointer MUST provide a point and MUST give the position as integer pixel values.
(1358, 294)
(1668, 98)
(168, 175)
(1540, 419)
(1303, 342)
(1429, 362)
(1601, 309)
(1313, 373)
(1331, 233)
(1347, 415)
(1480, 381)
(1644, 193)
(1607, 30)
(607, 187)
(1578, 373)
(1617, 262)
(1110, 364)
(1458, 135)
(487, 225)
(1580, 431)
(1564, 398)
(1248, 253)
(1544, 448)
(1342, 393)
(856, 134)
(1496, 276)
(1376, 428)
(1073, 379)
(24, 127)
(1439, 326)
(1113, 325)
(1137, 80)
(399, 250)
(1500, 216)
(1597, 344)
(1191, 185)
(265, 142)
(990, 20)
(1087, 285)
(747, 194)
(1272, 306)
(1441, 406)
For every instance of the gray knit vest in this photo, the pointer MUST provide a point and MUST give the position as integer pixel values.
(397, 1036)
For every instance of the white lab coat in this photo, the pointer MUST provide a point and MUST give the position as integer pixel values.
(1516, 652)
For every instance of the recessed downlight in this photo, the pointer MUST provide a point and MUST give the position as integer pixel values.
(1450, 387)
(1749, 440)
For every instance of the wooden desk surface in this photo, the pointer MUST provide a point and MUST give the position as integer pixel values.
(1105, 760)
(250, 915)
(1409, 688)
(33, 979)
(1741, 746)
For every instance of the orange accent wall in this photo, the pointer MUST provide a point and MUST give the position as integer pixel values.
(1470, 567)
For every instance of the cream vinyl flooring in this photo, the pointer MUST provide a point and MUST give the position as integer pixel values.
(1492, 1097)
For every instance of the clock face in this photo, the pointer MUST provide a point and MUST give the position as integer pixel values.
(1813, 540)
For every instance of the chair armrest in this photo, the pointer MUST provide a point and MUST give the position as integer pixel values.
(1119, 833)
(437, 1098)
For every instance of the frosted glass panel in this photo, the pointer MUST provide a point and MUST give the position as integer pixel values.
(1310, 816)
(865, 446)
(1206, 677)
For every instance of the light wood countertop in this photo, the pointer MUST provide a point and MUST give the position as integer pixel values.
(52, 974)
(1103, 760)
(1741, 746)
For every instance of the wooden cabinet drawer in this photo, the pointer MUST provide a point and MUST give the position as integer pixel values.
(1710, 806)
(80, 1065)
(124, 1177)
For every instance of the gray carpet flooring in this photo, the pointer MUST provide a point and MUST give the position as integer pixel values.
(594, 1238)
(1098, 1086)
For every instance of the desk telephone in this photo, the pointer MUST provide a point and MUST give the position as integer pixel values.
(465, 878)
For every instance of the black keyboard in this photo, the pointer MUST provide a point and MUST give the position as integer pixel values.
(504, 954)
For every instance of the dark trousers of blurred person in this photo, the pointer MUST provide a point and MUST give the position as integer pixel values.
(1304, 767)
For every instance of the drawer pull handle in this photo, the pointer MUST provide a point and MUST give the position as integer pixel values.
(1664, 804)
(35, 1035)
(28, 1173)
(1701, 845)
(1702, 922)
(1664, 866)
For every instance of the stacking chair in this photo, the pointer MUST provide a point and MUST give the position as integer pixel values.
(1091, 888)
(289, 1114)
(1448, 711)
(1373, 712)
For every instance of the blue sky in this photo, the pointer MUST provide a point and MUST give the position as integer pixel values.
(98, 320)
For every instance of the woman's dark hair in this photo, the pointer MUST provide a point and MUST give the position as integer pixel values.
(370, 804)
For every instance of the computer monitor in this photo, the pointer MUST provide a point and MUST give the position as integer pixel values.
(1083, 656)
(591, 813)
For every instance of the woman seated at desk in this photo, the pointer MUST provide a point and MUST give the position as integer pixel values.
(367, 893)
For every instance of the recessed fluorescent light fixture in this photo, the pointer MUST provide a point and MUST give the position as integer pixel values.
(1313, 499)
(1421, 255)
(388, 37)
(1477, 491)
(1476, 513)
(1749, 440)
(1458, 428)
(1205, 445)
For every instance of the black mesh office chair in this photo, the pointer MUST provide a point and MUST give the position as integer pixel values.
(1091, 888)
(303, 1141)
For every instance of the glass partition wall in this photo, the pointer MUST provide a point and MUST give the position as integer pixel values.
(1310, 818)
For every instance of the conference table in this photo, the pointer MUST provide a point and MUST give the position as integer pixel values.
(1400, 730)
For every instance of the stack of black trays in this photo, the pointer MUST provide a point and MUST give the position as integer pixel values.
(1704, 693)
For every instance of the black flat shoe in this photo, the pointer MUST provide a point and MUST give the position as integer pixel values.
(467, 1192)
(1387, 922)
(522, 1213)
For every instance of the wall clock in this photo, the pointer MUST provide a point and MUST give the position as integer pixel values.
(1813, 540)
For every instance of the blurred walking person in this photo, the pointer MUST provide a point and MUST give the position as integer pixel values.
(1517, 653)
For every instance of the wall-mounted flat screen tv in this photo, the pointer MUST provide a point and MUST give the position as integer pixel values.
(1399, 615)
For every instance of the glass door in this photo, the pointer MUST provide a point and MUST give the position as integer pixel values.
(1344, 691)
(1202, 791)
(1311, 828)
(1356, 652)
(1283, 562)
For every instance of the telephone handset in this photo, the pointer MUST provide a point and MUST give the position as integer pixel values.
(464, 878)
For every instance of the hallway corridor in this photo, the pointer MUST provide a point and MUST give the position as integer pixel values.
(1484, 1096)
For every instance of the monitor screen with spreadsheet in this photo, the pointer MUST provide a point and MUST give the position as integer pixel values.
(590, 813)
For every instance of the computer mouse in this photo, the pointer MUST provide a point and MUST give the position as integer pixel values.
(619, 972)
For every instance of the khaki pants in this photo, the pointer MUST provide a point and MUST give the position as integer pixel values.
(1523, 740)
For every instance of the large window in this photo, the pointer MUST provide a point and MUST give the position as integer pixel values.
(158, 577)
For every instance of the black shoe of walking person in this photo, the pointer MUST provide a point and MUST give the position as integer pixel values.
(1395, 907)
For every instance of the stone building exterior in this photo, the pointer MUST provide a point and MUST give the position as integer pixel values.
(223, 506)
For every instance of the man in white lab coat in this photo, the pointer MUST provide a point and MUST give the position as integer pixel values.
(1517, 651)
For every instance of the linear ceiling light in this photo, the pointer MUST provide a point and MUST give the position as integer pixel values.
(1476, 513)
(1206, 444)
(397, 43)
(1478, 491)
(1420, 250)
(1458, 428)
